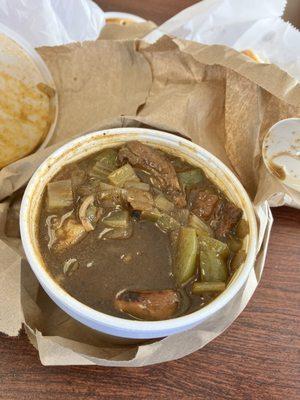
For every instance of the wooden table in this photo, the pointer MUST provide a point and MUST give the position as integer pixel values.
(256, 358)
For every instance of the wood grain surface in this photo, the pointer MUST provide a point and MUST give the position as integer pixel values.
(256, 358)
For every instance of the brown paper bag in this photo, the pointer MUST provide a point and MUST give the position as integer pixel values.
(210, 94)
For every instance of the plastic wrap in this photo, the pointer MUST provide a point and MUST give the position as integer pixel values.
(52, 22)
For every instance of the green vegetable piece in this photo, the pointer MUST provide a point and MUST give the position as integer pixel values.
(151, 215)
(59, 194)
(167, 223)
(201, 227)
(190, 178)
(213, 258)
(105, 186)
(242, 229)
(180, 165)
(106, 162)
(117, 219)
(139, 199)
(204, 287)
(78, 177)
(234, 244)
(181, 215)
(137, 185)
(237, 260)
(185, 258)
(163, 204)
(122, 175)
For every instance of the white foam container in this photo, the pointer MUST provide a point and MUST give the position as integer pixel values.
(93, 142)
(40, 64)
(281, 149)
(123, 15)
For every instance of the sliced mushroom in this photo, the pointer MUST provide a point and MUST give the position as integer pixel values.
(53, 222)
(70, 266)
(89, 219)
(148, 305)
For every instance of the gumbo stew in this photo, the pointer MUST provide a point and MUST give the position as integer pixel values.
(137, 233)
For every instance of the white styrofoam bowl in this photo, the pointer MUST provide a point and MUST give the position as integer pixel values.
(124, 16)
(93, 142)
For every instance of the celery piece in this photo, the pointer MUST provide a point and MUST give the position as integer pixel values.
(204, 287)
(213, 259)
(242, 229)
(181, 215)
(201, 227)
(137, 185)
(122, 175)
(116, 219)
(106, 162)
(237, 260)
(234, 244)
(140, 200)
(167, 223)
(190, 178)
(151, 215)
(163, 204)
(59, 194)
(185, 258)
(105, 186)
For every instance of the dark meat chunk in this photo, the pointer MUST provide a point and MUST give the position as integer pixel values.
(162, 171)
(204, 203)
(226, 218)
(156, 305)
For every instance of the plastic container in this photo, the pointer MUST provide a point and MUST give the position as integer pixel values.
(281, 152)
(94, 142)
(23, 48)
(121, 17)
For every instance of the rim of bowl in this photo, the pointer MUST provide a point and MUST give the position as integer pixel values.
(153, 327)
(123, 15)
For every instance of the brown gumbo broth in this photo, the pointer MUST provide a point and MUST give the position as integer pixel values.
(135, 232)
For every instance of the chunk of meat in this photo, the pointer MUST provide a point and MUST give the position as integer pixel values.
(140, 200)
(70, 233)
(227, 217)
(148, 305)
(162, 171)
(204, 203)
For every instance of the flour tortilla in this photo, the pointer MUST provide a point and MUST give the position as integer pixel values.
(26, 110)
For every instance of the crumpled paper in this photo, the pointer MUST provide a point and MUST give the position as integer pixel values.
(212, 94)
(241, 24)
